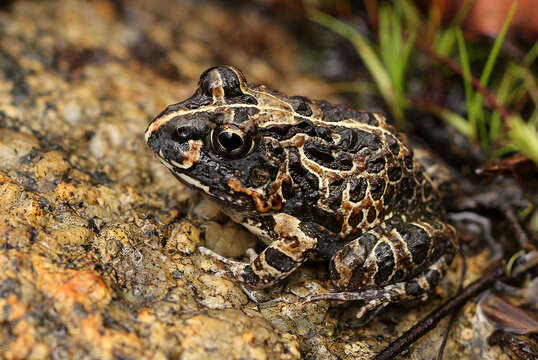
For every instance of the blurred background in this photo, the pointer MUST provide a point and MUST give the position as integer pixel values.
(98, 241)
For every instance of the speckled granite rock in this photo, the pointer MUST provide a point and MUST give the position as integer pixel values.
(97, 254)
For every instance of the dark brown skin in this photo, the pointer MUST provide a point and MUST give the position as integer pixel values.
(306, 176)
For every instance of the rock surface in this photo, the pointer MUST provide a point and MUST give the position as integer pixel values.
(98, 242)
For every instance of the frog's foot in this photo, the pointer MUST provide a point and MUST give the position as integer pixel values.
(262, 271)
(372, 299)
(231, 271)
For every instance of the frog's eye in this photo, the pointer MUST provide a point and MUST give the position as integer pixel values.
(231, 143)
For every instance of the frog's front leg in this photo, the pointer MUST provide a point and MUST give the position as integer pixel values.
(277, 261)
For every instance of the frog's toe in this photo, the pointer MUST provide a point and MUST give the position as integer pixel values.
(342, 296)
(372, 307)
(221, 259)
(230, 268)
(252, 254)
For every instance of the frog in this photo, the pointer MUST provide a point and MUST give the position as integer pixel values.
(312, 180)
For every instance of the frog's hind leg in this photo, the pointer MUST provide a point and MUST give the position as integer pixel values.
(405, 291)
(397, 263)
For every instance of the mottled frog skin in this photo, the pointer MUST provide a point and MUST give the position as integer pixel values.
(310, 178)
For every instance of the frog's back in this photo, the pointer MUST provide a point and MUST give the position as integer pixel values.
(343, 169)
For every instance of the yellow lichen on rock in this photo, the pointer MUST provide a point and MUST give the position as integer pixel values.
(51, 162)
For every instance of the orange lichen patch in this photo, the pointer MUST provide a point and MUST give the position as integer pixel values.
(146, 315)
(71, 193)
(23, 343)
(9, 193)
(131, 196)
(157, 330)
(185, 237)
(66, 191)
(16, 308)
(51, 162)
(104, 341)
(105, 196)
(120, 234)
(261, 205)
(171, 215)
(248, 337)
(4, 178)
(29, 210)
(16, 201)
(6, 258)
(69, 287)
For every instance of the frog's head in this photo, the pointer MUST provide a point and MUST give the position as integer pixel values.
(212, 141)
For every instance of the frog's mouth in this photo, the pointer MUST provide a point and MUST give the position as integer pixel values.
(174, 154)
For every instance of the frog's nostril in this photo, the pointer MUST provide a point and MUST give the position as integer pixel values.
(183, 134)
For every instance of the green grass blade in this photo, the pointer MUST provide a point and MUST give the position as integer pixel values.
(477, 116)
(465, 65)
(363, 46)
(452, 118)
(444, 41)
(405, 56)
(529, 79)
(461, 14)
(495, 125)
(503, 91)
(366, 52)
(496, 47)
(410, 13)
(384, 38)
(466, 68)
(531, 55)
(456, 121)
(524, 137)
(534, 118)
(396, 34)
